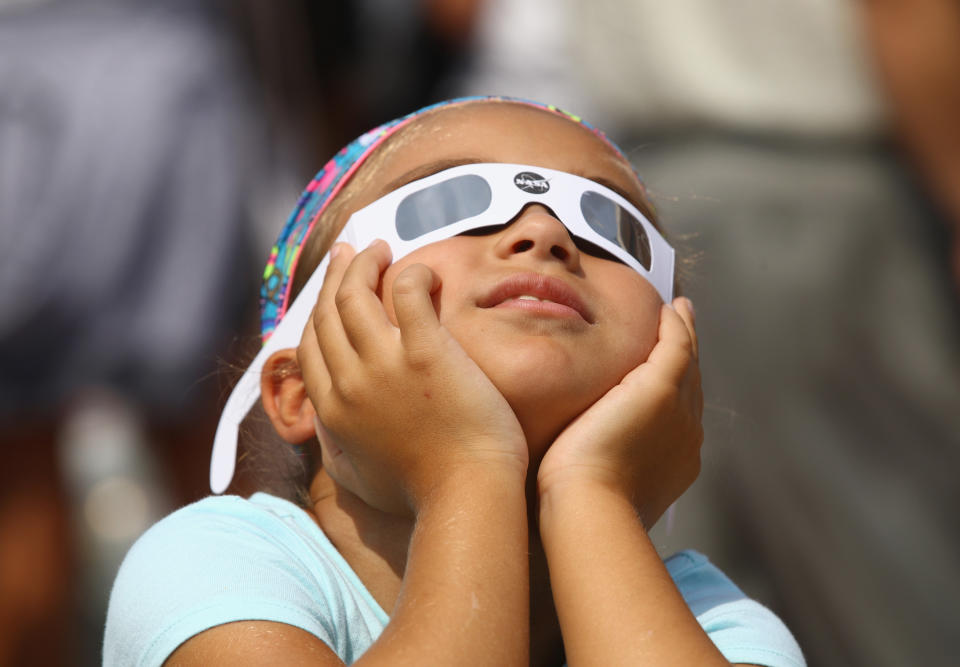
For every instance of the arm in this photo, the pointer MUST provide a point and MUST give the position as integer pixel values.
(616, 602)
(411, 426)
(608, 476)
(465, 591)
(453, 20)
(916, 44)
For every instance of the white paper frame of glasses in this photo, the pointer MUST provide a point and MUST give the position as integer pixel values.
(376, 220)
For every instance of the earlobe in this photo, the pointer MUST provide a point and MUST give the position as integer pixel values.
(285, 397)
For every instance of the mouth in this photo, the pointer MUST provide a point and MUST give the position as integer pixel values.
(538, 295)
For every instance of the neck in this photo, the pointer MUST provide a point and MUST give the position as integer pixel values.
(372, 542)
(375, 544)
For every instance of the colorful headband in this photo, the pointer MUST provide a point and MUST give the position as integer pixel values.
(275, 291)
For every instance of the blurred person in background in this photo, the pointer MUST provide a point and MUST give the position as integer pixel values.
(142, 145)
(327, 71)
(125, 146)
(810, 153)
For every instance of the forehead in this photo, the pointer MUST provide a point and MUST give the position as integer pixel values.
(500, 132)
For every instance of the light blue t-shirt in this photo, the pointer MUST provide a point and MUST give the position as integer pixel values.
(227, 558)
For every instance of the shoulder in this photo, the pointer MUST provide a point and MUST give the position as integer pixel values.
(225, 559)
(744, 630)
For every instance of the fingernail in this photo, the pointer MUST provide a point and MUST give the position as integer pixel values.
(335, 250)
(690, 306)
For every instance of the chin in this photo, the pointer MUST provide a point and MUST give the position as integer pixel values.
(535, 370)
(544, 399)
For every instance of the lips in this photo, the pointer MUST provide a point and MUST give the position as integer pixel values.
(551, 296)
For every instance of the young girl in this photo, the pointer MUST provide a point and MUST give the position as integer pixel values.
(506, 398)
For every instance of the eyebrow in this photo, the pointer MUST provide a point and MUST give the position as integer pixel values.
(437, 166)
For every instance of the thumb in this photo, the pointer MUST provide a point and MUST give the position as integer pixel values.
(416, 317)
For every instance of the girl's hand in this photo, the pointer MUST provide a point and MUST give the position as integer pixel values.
(401, 408)
(642, 438)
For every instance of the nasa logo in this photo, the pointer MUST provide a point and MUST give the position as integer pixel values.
(531, 182)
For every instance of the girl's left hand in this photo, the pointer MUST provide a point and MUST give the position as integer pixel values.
(642, 438)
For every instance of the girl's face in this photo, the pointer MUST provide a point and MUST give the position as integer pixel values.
(550, 360)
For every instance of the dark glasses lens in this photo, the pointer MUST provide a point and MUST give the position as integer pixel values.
(614, 223)
(442, 204)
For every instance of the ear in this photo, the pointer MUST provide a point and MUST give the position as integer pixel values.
(284, 397)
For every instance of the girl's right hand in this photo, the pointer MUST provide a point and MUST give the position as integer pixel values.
(401, 408)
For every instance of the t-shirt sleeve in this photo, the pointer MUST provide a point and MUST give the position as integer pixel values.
(744, 630)
(207, 564)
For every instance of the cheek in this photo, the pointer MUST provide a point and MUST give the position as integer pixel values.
(642, 336)
(636, 309)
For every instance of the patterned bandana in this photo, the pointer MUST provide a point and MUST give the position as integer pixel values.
(275, 291)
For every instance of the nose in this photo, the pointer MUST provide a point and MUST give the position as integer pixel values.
(538, 234)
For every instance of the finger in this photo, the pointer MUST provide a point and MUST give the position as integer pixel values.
(313, 368)
(684, 308)
(691, 381)
(331, 339)
(674, 351)
(341, 254)
(414, 308)
(362, 314)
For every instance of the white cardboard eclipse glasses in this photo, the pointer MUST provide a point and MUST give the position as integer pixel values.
(442, 205)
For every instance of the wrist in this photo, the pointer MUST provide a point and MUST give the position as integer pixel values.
(581, 480)
(467, 481)
(563, 496)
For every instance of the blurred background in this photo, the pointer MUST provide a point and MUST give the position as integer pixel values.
(804, 158)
